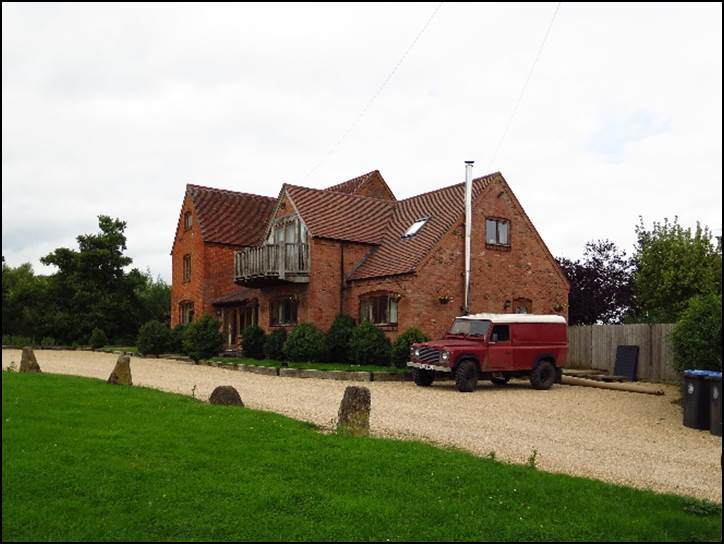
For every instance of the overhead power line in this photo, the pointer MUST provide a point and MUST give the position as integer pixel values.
(371, 101)
(525, 86)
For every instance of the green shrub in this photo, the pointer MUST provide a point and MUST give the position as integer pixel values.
(337, 338)
(203, 339)
(98, 338)
(47, 341)
(305, 343)
(154, 338)
(696, 338)
(176, 343)
(400, 352)
(274, 345)
(253, 339)
(368, 345)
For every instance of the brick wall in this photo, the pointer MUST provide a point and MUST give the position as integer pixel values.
(212, 269)
(523, 271)
(526, 270)
(187, 242)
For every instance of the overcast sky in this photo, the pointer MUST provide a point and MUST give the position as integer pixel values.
(112, 109)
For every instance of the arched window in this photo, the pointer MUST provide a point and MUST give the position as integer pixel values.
(379, 308)
(522, 306)
(186, 309)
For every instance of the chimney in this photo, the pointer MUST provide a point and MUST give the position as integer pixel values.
(468, 229)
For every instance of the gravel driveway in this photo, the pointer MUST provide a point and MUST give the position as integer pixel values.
(625, 438)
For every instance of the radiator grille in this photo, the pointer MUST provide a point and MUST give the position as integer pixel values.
(429, 355)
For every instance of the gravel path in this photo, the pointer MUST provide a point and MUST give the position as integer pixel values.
(625, 438)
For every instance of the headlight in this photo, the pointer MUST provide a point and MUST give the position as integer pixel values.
(416, 352)
(444, 356)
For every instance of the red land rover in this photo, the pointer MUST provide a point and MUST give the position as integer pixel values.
(495, 347)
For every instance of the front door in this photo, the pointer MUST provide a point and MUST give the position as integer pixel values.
(231, 326)
(500, 349)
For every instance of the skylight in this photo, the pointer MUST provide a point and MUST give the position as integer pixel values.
(416, 226)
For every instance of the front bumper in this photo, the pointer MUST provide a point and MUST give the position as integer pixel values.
(425, 366)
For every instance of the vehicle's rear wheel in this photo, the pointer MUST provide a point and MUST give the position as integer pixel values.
(466, 376)
(543, 375)
(423, 378)
(499, 379)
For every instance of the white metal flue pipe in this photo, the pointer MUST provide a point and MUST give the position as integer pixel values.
(468, 228)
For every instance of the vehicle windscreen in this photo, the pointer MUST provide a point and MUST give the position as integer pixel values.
(469, 327)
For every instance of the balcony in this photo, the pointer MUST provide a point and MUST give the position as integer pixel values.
(272, 264)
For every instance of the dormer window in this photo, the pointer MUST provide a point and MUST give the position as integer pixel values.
(416, 226)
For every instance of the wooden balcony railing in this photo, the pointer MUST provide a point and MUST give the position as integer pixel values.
(286, 262)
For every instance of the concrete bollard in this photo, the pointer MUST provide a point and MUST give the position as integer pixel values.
(354, 411)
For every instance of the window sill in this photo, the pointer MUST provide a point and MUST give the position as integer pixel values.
(282, 325)
(497, 247)
(386, 327)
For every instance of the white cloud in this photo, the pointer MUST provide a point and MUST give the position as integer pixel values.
(114, 108)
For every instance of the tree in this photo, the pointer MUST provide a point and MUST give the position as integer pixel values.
(601, 284)
(155, 298)
(154, 338)
(203, 339)
(673, 265)
(305, 343)
(696, 338)
(91, 288)
(23, 302)
(368, 345)
(337, 338)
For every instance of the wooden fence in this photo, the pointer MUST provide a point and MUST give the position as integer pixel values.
(594, 346)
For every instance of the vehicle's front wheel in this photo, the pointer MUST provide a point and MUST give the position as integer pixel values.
(466, 376)
(543, 375)
(423, 378)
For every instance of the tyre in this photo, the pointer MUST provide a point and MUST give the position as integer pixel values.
(466, 376)
(543, 375)
(500, 379)
(423, 378)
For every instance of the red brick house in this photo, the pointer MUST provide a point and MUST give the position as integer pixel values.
(354, 248)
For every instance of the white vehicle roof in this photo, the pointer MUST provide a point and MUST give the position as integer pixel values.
(516, 318)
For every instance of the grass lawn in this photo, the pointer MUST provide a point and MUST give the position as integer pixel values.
(318, 366)
(83, 460)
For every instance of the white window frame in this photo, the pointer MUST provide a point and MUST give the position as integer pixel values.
(415, 227)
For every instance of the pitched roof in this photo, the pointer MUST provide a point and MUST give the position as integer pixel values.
(237, 295)
(398, 255)
(357, 185)
(230, 217)
(341, 216)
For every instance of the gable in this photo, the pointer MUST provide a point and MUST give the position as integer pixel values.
(371, 185)
(186, 207)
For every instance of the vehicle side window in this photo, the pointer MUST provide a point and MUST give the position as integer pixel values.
(501, 333)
